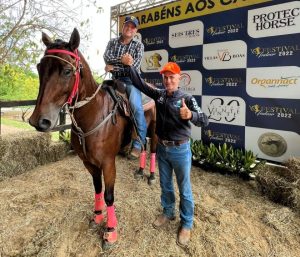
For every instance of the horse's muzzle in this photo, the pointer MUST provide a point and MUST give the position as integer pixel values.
(42, 124)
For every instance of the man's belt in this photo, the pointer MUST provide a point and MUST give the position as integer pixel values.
(172, 143)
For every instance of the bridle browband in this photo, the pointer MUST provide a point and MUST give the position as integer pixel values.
(76, 68)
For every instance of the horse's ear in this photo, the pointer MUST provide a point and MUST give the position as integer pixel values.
(46, 39)
(74, 39)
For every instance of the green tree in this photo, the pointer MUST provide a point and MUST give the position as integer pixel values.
(23, 20)
(17, 83)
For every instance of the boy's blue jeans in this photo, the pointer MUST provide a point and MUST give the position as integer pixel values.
(135, 100)
(177, 158)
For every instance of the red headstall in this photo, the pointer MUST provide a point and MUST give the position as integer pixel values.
(77, 69)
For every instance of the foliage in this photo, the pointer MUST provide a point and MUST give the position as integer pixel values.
(23, 20)
(224, 158)
(17, 84)
(65, 136)
(99, 78)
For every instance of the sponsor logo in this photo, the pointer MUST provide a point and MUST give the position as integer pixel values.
(272, 144)
(154, 41)
(226, 110)
(189, 58)
(177, 104)
(225, 55)
(226, 29)
(185, 80)
(274, 82)
(154, 60)
(156, 82)
(282, 82)
(220, 136)
(191, 82)
(274, 20)
(274, 111)
(218, 110)
(286, 50)
(186, 34)
(220, 82)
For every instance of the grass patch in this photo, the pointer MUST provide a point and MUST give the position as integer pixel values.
(24, 125)
(16, 124)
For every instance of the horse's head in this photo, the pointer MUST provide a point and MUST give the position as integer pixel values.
(59, 78)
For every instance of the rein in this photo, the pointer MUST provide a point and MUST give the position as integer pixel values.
(76, 70)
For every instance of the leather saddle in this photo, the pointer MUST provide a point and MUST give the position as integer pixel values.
(120, 89)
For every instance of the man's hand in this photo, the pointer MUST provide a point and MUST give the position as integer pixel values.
(185, 112)
(127, 59)
(109, 68)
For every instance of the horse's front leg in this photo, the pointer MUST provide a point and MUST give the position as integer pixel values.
(99, 204)
(110, 235)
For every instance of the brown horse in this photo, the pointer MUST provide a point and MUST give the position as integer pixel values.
(98, 127)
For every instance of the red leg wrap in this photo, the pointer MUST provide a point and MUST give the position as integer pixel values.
(98, 218)
(111, 217)
(99, 202)
(143, 159)
(152, 162)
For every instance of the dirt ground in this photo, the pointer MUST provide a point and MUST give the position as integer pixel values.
(46, 212)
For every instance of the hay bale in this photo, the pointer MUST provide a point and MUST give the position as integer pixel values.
(26, 151)
(281, 184)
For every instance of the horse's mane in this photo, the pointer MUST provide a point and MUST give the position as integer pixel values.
(59, 44)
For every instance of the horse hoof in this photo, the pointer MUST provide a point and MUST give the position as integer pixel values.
(138, 174)
(109, 239)
(107, 246)
(93, 224)
(96, 221)
(151, 181)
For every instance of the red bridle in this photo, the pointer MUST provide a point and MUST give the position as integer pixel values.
(76, 71)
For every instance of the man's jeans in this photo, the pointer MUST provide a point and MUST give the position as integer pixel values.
(135, 100)
(177, 158)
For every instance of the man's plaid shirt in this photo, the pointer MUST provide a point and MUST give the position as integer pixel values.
(115, 49)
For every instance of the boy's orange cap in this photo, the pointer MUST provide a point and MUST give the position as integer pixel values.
(172, 67)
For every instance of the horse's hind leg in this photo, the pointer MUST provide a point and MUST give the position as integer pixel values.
(139, 174)
(153, 144)
(99, 204)
(110, 235)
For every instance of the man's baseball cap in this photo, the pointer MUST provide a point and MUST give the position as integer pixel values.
(172, 67)
(133, 20)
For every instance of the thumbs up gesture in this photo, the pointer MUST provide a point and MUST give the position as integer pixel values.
(185, 112)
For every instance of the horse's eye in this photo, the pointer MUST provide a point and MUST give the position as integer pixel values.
(67, 72)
